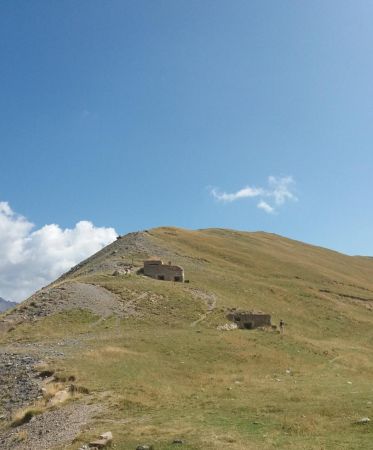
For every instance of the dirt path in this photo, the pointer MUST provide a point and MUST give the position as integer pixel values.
(208, 298)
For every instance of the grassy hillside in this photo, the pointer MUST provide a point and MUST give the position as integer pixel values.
(161, 369)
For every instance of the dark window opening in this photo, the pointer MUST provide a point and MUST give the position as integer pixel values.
(248, 325)
(177, 278)
(238, 319)
(160, 277)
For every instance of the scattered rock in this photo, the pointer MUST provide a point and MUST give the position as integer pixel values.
(363, 421)
(104, 441)
(18, 381)
(178, 441)
(108, 435)
(117, 273)
(75, 295)
(144, 447)
(45, 431)
(227, 327)
(45, 374)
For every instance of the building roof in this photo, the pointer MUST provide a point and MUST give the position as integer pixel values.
(159, 262)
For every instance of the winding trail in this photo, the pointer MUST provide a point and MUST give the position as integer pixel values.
(208, 298)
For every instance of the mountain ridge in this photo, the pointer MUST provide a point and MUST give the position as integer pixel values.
(156, 353)
(5, 305)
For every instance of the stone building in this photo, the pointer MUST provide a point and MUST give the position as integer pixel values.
(249, 319)
(155, 268)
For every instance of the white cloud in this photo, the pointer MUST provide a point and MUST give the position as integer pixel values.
(265, 207)
(279, 190)
(32, 258)
(242, 193)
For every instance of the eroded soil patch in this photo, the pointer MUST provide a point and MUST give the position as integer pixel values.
(52, 429)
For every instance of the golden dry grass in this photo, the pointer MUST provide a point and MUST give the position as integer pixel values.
(160, 378)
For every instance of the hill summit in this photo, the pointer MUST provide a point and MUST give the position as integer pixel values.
(159, 361)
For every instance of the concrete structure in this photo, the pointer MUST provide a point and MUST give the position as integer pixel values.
(156, 269)
(249, 319)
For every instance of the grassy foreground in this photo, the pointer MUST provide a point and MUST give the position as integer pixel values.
(163, 374)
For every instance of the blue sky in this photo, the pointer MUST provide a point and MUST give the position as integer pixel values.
(129, 113)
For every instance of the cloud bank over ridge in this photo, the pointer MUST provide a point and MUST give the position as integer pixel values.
(32, 258)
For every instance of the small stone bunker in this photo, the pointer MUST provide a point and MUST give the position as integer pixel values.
(249, 319)
(155, 268)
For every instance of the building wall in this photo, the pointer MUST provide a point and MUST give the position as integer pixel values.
(246, 320)
(158, 270)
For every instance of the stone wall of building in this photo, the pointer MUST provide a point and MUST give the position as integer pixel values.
(168, 272)
(249, 320)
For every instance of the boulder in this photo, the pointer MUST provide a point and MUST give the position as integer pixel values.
(363, 421)
(117, 273)
(108, 435)
(105, 440)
